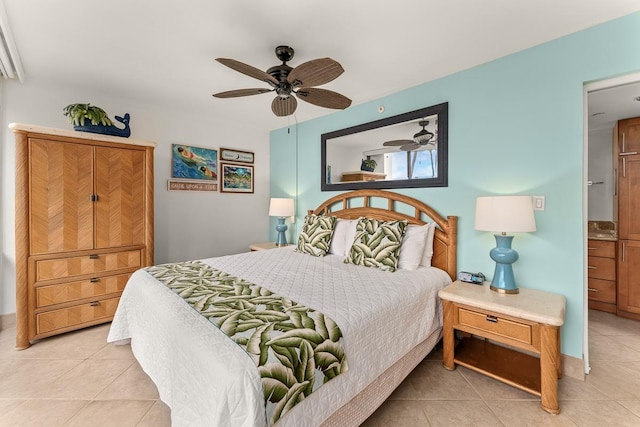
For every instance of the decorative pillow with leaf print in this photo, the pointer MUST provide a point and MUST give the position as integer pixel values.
(377, 243)
(316, 234)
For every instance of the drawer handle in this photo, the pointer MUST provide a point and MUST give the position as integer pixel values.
(94, 280)
(492, 319)
(591, 267)
(95, 303)
(592, 249)
(94, 256)
(592, 290)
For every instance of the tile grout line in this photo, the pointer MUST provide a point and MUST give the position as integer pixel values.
(482, 399)
(147, 413)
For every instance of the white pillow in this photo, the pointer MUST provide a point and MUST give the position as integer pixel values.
(412, 247)
(428, 249)
(343, 235)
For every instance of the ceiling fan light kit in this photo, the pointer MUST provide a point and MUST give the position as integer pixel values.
(287, 81)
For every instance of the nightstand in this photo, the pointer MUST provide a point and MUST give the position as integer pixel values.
(264, 246)
(511, 338)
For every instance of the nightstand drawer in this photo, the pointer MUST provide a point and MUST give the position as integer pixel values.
(496, 325)
(602, 290)
(601, 268)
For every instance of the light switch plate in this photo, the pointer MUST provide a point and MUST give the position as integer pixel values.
(538, 203)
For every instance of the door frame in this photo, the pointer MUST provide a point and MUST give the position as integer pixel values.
(588, 88)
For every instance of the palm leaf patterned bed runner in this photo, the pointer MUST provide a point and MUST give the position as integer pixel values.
(295, 348)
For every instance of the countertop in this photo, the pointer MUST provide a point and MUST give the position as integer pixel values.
(609, 237)
(602, 230)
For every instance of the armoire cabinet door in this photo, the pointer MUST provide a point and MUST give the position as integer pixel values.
(628, 197)
(61, 210)
(629, 276)
(120, 186)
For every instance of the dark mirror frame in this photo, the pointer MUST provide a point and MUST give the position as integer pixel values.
(441, 110)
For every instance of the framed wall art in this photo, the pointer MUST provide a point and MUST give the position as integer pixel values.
(194, 162)
(236, 178)
(237, 156)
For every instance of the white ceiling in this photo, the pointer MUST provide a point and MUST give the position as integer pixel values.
(163, 51)
(607, 106)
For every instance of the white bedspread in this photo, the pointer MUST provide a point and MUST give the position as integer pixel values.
(208, 380)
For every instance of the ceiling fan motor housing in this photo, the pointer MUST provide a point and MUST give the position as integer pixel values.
(280, 73)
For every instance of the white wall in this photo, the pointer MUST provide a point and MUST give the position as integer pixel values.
(347, 159)
(601, 170)
(188, 225)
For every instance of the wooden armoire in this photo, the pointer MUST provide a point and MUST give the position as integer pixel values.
(84, 223)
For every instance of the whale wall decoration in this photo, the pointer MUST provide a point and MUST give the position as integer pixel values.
(108, 129)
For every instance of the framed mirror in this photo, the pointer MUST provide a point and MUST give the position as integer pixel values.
(404, 151)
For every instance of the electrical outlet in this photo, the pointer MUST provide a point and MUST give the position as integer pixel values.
(538, 203)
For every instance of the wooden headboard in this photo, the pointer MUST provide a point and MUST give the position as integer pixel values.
(355, 204)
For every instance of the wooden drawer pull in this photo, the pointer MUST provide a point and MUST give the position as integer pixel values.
(94, 256)
(95, 303)
(592, 290)
(492, 319)
(94, 280)
(592, 267)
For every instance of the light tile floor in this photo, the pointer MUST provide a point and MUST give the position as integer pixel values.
(77, 379)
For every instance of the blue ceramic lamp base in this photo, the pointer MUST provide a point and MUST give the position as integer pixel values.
(281, 227)
(503, 279)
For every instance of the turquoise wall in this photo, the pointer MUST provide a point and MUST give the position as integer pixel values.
(515, 127)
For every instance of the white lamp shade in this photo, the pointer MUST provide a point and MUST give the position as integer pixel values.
(281, 207)
(505, 214)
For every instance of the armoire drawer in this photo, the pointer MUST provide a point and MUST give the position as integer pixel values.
(76, 315)
(73, 291)
(88, 264)
(602, 290)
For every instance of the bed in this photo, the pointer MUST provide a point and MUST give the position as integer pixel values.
(207, 379)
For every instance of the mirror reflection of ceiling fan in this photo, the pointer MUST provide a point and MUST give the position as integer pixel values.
(286, 81)
(424, 140)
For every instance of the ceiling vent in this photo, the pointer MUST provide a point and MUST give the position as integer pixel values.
(10, 65)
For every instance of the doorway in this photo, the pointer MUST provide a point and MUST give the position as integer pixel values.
(605, 102)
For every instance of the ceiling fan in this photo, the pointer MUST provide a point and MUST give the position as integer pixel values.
(422, 139)
(286, 81)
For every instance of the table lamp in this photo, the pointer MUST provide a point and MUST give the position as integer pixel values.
(281, 208)
(504, 214)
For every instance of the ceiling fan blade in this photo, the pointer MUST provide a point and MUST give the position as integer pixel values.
(398, 142)
(241, 92)
(282, 107)
(410, 147)
(315, 73)
(247, 70)
(323, 98)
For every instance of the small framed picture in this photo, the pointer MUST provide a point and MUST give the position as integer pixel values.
(237, 156)
(194, 162)
(236, 178)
